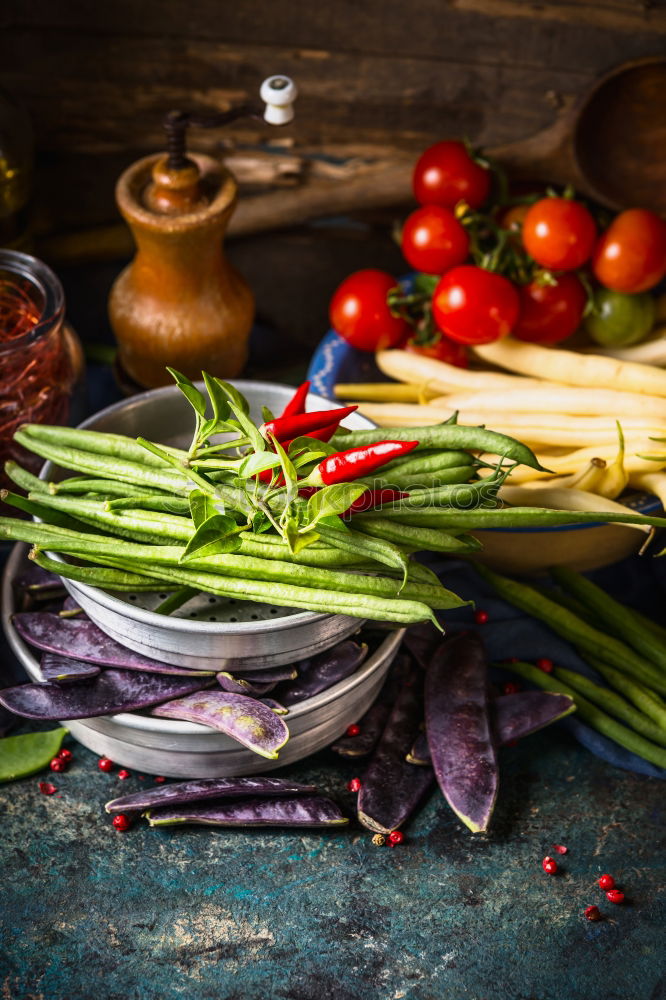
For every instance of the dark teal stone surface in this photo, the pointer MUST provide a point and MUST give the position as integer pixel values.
(87, 912)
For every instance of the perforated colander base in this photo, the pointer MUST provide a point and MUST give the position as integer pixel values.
(208, 608)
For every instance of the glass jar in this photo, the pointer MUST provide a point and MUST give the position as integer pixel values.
(40, 356)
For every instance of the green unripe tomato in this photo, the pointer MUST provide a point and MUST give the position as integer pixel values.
(619, 320)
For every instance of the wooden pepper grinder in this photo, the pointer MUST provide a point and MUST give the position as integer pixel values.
(179, 302)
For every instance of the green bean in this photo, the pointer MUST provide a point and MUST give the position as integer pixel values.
(161, 503)
(33, 507)
(425, 461)
(176, 600)
(250, 569)
(589, 713)
(417, 571)
(24, 479)
(99, 443)
(462, 496)
(420, 480)
(369, 548)
(574, 629)
(566, 601)
(648, 623)
(110, 487)
(145, 525)
(420, 538)
(582, 611)
(448, 436)
(521, 517)
(612, 614)
(406, 612)
(612, 703)
(647, 701)
(104, 578)
(313, 555)
(105, 465)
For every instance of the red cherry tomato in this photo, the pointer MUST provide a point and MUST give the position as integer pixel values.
(513, 219)
(559, 233)
(473, 306)
(433, 241)
(550, 313)
(442, 349)
(446, 174)
(359, 313)
(630, 257)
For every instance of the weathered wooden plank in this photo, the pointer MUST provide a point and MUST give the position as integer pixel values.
(618, 15)
(111, 94)
(563, 32)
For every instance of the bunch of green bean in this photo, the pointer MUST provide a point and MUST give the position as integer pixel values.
(127, 510)
(626, 649)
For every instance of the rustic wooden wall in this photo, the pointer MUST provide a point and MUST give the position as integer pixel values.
(98, 77)
(376, 79)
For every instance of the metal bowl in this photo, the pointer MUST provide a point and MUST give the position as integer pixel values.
(207, 632)
(189, 750)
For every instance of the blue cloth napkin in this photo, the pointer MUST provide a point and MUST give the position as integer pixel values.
(639, 582)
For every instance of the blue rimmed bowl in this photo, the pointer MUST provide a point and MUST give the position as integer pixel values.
(512, 550)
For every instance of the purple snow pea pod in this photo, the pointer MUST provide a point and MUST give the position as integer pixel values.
(275, 706)
(244, 719)
(83, 640)
(391, 789)
(422, 641)
(34, 585)
(371, 725)
(65, 670)
(113, 691)
(182, 792)
(70, 609)
(285, 673)
(306, 811)
(420, 752)
(459, 732)
(325, 670)
(512, 716)
(238, 685)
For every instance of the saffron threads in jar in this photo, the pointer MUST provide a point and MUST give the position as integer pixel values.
(37, 367)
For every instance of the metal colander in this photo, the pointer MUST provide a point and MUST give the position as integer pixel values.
(180, 749)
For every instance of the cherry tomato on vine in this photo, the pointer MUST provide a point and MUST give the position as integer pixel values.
(473, 306)
(446, 174)
(631, 255)
(550, 313)
(619, 320)
(512, 219)
(442, 349)
(559, 233)
(433, 241)
(359, 313)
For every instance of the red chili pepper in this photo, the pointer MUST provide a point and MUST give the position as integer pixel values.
(300, 424)
(374, 498)
(346, 466)
(325, 433)
(297, 402)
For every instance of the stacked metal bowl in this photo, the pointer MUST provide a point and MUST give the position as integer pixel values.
(207, 632)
